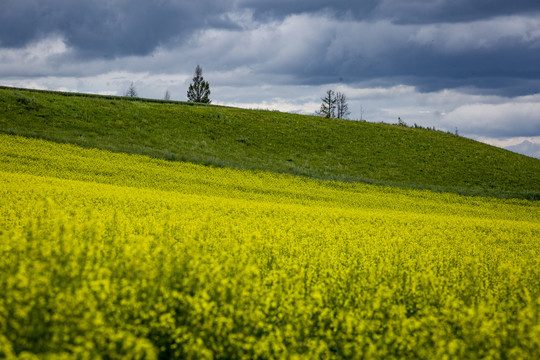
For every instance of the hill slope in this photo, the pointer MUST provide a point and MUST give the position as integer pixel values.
(273, 141)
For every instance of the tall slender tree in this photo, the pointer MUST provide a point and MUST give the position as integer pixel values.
(328, 106)
(167, 95)
(199, 89)
(342, 107)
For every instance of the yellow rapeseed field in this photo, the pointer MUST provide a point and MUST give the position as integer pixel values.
(117, 256)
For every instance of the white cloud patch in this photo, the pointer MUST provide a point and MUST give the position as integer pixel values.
(497, 120)
(111, 83)
(526, 147)
(36, 58)
(277, 104)
(276, 47)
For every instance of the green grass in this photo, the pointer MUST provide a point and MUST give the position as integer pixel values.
(272, 141)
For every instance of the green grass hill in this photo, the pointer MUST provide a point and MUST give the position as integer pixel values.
(272, 141)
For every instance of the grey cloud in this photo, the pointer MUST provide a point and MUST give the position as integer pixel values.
(316, 49)
(431, 45)
(399, 11)
(279, 9)
(429, 11)
(107, 28)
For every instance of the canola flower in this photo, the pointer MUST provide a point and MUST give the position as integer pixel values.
(107, 255)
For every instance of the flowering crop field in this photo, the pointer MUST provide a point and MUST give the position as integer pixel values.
(106, 255)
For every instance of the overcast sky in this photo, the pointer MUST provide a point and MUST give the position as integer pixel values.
(473, 65)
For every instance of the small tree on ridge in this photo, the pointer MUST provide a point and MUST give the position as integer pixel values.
(328, 106)
(131, 92)
(342, 108)
(199, 90)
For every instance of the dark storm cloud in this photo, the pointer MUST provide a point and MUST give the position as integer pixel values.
(400, 11)
(283, 8)
(429, 11)
(495, 55)
(491, 45)
(107, 28)
(505, 70)
(490, 53)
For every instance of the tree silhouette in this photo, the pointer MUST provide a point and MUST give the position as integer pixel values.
(342, 108)
(328, 106)
(131, 92)
(199, 90)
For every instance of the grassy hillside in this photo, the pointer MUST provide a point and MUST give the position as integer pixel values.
(116, 256)
(273, 141)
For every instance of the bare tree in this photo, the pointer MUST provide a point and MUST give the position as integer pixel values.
(167, 95)
(199, 90)
(342, 108)
(131, 92)
(328, 106)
